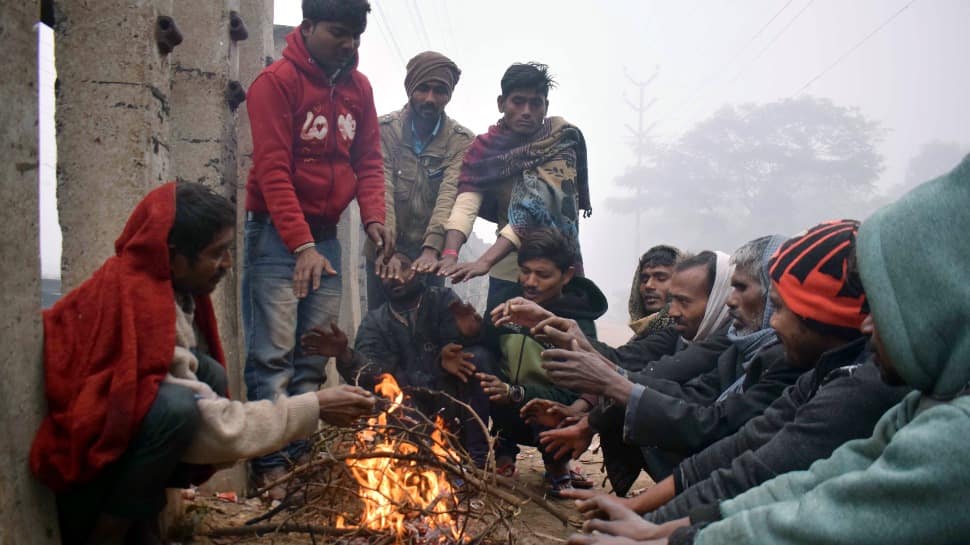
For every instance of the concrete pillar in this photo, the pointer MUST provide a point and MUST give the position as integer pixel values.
(27, 513)
(113, 97)
(204, 70)
(205, 95)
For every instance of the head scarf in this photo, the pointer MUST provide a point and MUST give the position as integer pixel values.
(914, 256)
(716, 313)
(750, 344)
(107, 346)
(431, 66)
(635, 304)
(810, 272)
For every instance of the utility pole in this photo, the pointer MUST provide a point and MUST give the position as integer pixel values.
(640, 139)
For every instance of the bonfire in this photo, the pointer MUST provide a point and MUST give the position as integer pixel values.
(398, 478)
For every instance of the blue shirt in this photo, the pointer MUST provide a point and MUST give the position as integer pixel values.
(420, 146)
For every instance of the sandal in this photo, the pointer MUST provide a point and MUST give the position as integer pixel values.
(579, 480)
(558, 484)
(506, 469)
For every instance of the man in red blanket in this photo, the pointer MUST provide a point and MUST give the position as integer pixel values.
(135, 383)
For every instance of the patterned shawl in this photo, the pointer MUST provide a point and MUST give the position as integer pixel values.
(552, 163)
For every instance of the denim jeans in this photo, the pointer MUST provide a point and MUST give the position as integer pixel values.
(274, 320)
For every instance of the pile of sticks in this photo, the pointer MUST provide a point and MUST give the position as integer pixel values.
(324, 489)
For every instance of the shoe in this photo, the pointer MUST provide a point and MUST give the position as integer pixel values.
(579, 480)
(278, 492)
(558, 484)
(506, 468)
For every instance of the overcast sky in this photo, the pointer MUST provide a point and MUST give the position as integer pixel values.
(902, 62)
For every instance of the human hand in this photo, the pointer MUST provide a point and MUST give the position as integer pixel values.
(584, 372)
(468, 320)
(548, 413)
(590, 510)
(382, 239)
(560, 332)
(521, 311)
(601, 539)
(321, 341)
(310, 265)
(463, 272)
(427, 262)
(343, 404)
(456, 362)
(615, 518)
(390, 269)
(496, 389)
(572, 440)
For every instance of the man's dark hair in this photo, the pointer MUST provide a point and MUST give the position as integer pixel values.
(548, 244)
(200, 214)
(660, 256)
(706, 259)
(352, 13)
(531, 76)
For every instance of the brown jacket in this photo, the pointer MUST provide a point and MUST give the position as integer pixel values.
(420, 190)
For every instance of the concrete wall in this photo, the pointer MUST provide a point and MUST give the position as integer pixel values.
(26, 507)
(113, 130)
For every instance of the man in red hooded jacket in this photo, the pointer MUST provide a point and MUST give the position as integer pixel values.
(316, 147)
(136, 391)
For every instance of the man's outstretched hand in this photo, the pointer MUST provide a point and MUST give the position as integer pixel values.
(468, 320)
(341, 405)
(521, 311)
(381, 238)
(328, 342)
(456, 362)
(571, 441)
(548, 413)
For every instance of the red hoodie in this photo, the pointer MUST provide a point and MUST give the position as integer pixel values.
(316, 145)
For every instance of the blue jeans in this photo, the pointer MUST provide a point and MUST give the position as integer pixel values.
(274, 320)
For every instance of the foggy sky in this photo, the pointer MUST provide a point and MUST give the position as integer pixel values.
(911, 76)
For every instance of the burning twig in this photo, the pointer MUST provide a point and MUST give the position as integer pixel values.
(402, 478)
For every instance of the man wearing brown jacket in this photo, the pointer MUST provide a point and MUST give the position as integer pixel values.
(423, 150)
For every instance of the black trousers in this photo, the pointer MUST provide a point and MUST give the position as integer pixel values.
(133, 486)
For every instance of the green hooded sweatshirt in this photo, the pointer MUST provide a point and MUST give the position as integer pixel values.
(909, 483)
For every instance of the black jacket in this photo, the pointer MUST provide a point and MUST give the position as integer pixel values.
(839, 400)
(623, 461)
(387, 343)
(673, 420)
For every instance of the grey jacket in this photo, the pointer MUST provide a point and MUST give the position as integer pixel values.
(420, 190)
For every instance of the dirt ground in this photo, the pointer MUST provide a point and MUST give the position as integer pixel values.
(532, 526)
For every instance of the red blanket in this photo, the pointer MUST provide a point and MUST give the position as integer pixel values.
(107, 346)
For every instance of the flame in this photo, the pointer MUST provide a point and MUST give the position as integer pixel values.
(399, 496)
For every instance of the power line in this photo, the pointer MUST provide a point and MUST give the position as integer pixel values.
(390, 34)
(706, 83)
(771, 43)
(851, 50)
(424, 30)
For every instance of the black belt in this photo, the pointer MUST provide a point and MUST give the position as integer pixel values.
(319, 229)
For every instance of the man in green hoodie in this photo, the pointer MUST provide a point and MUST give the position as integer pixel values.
(546, 277)
(908, 482)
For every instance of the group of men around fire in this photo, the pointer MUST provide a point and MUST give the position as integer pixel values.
(804, 389)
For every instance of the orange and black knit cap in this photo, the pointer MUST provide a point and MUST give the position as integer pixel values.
(810, 272)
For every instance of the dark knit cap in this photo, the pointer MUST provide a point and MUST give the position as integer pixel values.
(431, 66)
(811, 274)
